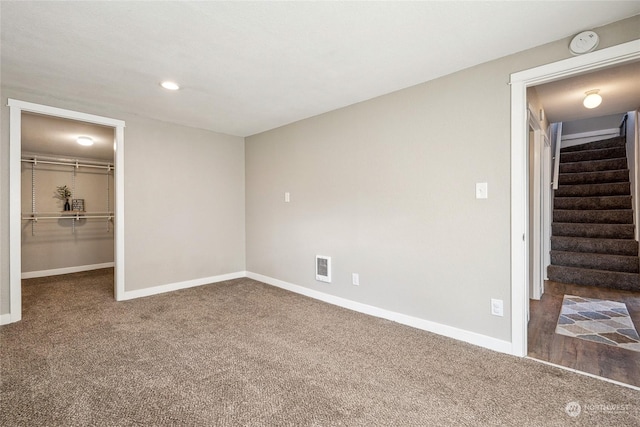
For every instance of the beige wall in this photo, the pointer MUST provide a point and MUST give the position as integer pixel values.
(593, 124)
(386, 187)
(184, 199)
(184, 203)
(53, 244)
(534, 102)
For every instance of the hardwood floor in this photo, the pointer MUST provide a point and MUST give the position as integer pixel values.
(599, 359)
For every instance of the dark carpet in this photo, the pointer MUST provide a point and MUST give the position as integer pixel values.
(242, 353)
(593, 233)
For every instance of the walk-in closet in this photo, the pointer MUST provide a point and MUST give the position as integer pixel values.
(67, 196)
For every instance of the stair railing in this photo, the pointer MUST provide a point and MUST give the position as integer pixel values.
(623, 125)
(556, 158)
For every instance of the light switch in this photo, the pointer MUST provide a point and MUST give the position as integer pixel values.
(287, 197)
(482, 191)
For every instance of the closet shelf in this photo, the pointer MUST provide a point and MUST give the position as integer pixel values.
(75, 215)
(76, 163)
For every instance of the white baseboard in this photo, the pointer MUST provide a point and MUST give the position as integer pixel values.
(65, 270)
(5, 319)
(139, 293)
(426, 325)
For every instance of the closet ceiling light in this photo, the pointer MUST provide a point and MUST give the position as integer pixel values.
(84, 140)
(170, 85)
(593, 99)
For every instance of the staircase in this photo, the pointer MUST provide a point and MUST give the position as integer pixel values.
(592, 234)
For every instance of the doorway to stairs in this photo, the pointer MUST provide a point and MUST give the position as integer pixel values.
(543, 343)
(520, 220)
(594, 260)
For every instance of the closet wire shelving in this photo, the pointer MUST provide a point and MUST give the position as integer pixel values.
(74, 216)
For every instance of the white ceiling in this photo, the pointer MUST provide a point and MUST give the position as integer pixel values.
(56, 136)
(619, 87)
(246, 67)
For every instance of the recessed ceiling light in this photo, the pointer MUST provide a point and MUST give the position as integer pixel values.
(170, 85)
(84, 140)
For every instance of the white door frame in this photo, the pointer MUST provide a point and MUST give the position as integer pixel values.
(547, 208)
(520, 81)
(536, 146)
(15, 239)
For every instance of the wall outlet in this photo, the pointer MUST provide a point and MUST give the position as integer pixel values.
(355, 279)
(497, 308)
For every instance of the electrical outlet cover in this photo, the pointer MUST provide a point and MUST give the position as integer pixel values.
(497, 307)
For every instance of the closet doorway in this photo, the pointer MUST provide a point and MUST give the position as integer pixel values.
(66, 199)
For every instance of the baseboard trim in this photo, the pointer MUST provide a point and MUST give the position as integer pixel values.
(65, 270)
(426, 325)
(169, 287)
(5, 319)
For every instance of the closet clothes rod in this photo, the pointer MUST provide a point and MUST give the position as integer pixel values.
(63, 162)
(74, 217)
(68, 213)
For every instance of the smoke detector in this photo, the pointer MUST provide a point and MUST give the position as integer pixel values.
(584, 42)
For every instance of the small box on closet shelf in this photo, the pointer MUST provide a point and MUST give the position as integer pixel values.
(77, 205)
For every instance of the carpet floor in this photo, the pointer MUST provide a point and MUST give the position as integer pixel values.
(242, 353)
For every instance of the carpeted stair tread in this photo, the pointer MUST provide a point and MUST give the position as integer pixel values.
(600, 202)
(624, 263)
(604, 143)
(599, 177)
(592, 166)
(588, 277)
(582, 190)
(608, 231)
(627, 247)
(591, 216)
(598, 154)
(593, 232)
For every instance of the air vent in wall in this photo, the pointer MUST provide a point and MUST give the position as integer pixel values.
(323, 268)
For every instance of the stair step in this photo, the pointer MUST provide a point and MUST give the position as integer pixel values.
(624, 263)
(600, 177)
(600, 278)
(582, 190)
(591, 216)
(600, 202)
(616, 141)
(593, 232)
(594, 165)
(607, 231)
(603, 246)
(598, 154)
